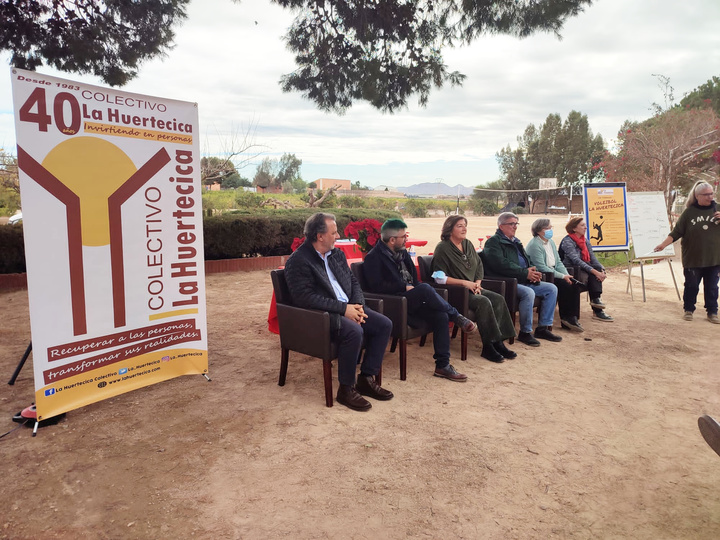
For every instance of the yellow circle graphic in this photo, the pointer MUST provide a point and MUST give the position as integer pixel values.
(93, 169)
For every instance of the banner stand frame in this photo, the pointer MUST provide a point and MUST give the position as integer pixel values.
(640, 260)
(20, 365)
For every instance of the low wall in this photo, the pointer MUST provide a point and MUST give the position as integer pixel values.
(11, 282)
(245, 265)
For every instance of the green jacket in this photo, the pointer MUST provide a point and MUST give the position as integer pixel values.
(501, 257)
(538, 257)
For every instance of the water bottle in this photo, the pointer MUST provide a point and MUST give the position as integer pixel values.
(411, 252)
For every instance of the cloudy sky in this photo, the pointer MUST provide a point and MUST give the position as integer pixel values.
(229, 58)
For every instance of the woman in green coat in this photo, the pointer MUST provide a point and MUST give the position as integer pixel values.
(455, 255)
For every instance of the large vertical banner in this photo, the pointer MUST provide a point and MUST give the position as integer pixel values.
(606, 216)
(112, 218)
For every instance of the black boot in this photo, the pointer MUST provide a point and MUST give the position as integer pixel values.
(543, 332)
(502, 349)
(489, 353)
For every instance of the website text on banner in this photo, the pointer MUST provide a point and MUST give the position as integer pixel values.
(112, 218)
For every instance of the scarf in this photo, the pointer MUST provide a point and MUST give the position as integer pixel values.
(398, 257)
(580, 241)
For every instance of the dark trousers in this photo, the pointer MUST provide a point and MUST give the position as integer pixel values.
(568, 299)
(376, 332)
(427, 305)
(709, 276)
(594, 288)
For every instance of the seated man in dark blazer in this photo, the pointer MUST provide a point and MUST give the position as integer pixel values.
(318, 277)
(389, 270)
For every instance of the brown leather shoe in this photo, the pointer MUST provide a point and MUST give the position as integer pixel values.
(367, 386)
(449, 372)
(348, 396)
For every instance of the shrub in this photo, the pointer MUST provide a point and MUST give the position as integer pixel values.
(248, 199)
(416, 208)
(484, 207)
(351, 201)
(269, 232)
(12, 248)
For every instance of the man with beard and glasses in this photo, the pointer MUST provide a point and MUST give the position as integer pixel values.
(389, 269)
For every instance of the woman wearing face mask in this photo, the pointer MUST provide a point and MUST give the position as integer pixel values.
(544, 256)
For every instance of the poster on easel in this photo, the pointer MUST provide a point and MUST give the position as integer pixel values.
(605, 211)
(649, 224)
(112, 221)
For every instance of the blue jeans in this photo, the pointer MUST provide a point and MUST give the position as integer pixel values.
(709, 276)
(526, 294)
(375, 331)
(426, 304)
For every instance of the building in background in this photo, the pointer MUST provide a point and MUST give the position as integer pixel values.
(325, 183)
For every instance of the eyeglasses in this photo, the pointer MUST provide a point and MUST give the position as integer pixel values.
(466, 262)
(513, 224)
(705, 194)
(401, 236)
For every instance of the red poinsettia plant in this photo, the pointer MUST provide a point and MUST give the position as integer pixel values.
(366, 232)
(297, 242)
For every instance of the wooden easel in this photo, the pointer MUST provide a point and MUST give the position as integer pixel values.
(642, 275)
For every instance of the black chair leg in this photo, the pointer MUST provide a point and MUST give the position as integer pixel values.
(463, 346)
(284, 354)
(327, 376)
(393, 345)
(423, 339)
(512, 318)
(403, 359)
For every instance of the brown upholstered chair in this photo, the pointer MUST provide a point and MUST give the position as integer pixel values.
(307, 331)
(458, 297)
(395, 308)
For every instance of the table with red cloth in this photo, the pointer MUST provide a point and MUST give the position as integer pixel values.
(415, 242)
(349, 248)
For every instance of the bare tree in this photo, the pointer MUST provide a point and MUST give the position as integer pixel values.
(314, 203)
(9, 182)
(235, 152)
(9, 171)
(659, 154)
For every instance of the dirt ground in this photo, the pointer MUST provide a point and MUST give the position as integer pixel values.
(594, 437)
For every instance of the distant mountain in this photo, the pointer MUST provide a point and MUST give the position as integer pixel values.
(435, 188)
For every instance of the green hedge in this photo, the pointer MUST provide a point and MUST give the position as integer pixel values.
(12, 249)
(251, 233)
(227, 236)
